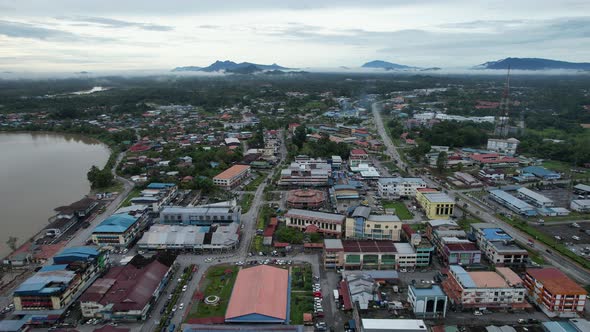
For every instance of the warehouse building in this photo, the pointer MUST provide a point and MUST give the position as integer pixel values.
(541, 172)
(534, 198)
(260, 294)
(582, 189)
(580, 205)
(517, 205)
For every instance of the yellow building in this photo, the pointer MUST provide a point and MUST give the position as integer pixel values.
(435, 204)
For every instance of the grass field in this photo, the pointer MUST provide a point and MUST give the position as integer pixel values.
(246, 202)
(466, 223)
(217, 282)
(301, 302)
(254, 184)
(563, 167)
(134, 193)
(400, 209)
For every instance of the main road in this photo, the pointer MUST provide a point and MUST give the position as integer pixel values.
(565, 264)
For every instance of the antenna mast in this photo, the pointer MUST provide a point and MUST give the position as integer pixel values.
(504, 109)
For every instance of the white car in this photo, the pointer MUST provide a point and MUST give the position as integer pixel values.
(478, 313)
(208, 260)
(181, 306)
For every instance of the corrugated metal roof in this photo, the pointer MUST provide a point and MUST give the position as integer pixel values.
(117, 223)
(463, 276)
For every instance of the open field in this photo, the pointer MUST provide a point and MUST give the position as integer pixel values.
(400, 209)
(219, 281)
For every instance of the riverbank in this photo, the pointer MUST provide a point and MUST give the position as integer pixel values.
(50, 159)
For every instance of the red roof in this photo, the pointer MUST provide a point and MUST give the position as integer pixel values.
(273, 221)
(358, 152)
(126, 287)
(493, 158)
(110, 328)
(139, 147)
(368, 246)
(231, 172)
(462, 247)
(346, 301)
(313, 245)
(280, 244)
(556, 281)
(259, 290)
(311, 229)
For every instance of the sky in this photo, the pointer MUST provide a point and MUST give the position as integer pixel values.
(108, 35)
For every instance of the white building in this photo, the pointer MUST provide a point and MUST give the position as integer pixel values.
(507, 146)
(393, 325)
(580, 205)
(534, 198)
(394, 188)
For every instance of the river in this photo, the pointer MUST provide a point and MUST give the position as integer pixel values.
(39, 172)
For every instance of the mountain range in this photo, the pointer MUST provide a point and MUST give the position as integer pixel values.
(533, 64)
(385, 65)
(232, 67)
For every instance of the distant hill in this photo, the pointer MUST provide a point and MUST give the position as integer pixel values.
(385, 65)
(187, 68)
(533, 64)
(232, 67)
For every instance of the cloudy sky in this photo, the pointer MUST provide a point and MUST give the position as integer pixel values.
(73, 35)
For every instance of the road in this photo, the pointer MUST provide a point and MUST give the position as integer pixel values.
(84, 234)
(571, 268)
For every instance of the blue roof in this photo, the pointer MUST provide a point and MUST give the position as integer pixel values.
(539, 171)
(117, 223)
(159, 185)
(13, 325)
(563, 326)
(59, 267)
(435, 290)
(76, 254)
(495, 234)
(463, 276)
(40, 281)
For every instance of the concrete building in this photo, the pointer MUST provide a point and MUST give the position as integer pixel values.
(393, 325)
(126, 293)
(203, 215)
(422, 246)
(485, 289)
(555, 293)
(306, 199)
(176, 237)
(333, 250)
(541, 173)
(580, 205)
(156, 195)
(582, 189)
(534, 198)
(51, 290)
(117, 230)
(329, 224)
(517, 205)
(369, 255)
(499, 247)
(364, 225)
(436, 205)
(306, 172)
(395, 188)
(427, 300)
(506, 146)
(357, 156)
(232, 177)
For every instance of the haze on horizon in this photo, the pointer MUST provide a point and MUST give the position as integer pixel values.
(71, 35)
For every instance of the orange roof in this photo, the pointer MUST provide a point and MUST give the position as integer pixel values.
(259, 290)
(488, 279)
(231, 172)
(307, 317)
(556, 281)
(510, 276)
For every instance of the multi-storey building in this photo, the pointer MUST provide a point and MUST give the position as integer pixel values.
(436, 205)
(485, 289)
(427, 300)
(327, 223)
(506, 146)
(395, 188)
(117, 230)
(357, 156)
(232, 177)
(555, 293)
(203, 215)
(498, 247)
(306, 172)
(156, 195)
(364, 225)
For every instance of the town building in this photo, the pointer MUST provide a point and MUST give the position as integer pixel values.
(177, 237)
(580, 205)
(498, 247)
(52, 289)
(364, 225)
(127, 292)
(156, 195)
(344, 192)
(515, 204)
(506, 146)
(203, 215)
(427, 300)
(329, 224)
(493, 160)
(571, 325)
(366, 171)
(422, 246)
(485, 289)
(393, 325)
(369, 255)
(358, 289)
(491, 175)
(306, 199)
(395, 188)
(117, 230)
(541, 173)
(555, 293)
(534, 198)
(357, 156)
(582, 189)
(232, 177)
(436, 205)
(306, 172)
(260, 294)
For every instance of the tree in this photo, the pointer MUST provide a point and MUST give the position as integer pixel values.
(100, 178)
(441, 161)
(11, 242)
(459, 167)
(300, 136)
(289, 235)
